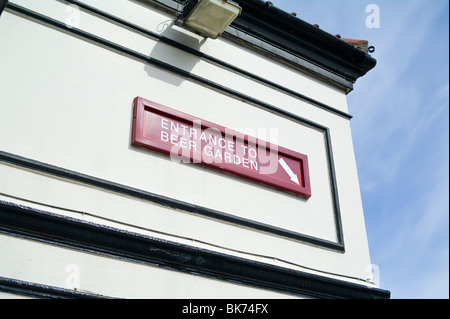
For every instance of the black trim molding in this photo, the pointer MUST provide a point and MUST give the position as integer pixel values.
(206, 57)
(279, 33)
(169, 202)
(34, 290)
(3, 4)
(42, 226)
(339, 246)
(265, 21)
(180, 72)
(29, 223)
(173, 203)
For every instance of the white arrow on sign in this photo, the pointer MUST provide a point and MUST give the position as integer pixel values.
(288, 170)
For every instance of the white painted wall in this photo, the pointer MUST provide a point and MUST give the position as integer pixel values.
(68, 102)
(88, 273)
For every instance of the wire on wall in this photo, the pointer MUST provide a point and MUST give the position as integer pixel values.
(122, 223)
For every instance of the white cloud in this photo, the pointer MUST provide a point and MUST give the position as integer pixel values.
(393, 107)
(400, 129)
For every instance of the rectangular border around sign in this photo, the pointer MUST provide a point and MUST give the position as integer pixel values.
(142, 105)
(79, 177)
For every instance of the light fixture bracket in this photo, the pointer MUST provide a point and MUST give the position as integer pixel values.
(209, 18)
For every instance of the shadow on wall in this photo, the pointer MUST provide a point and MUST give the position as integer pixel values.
(172, 56)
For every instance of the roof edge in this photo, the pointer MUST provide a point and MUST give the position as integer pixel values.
(297, 42)
(264, 20)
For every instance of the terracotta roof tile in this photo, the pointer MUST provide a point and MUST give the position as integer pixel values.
(360, 44)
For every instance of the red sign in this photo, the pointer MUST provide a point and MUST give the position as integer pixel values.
(188, 138)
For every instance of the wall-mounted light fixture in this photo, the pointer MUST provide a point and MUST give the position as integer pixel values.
(209, 18)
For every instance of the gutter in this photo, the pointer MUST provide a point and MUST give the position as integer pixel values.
(292, 40)
(263, 19)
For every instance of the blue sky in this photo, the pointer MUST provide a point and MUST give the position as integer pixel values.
(401, 135)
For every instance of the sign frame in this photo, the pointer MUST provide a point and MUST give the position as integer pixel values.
(299, 185)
